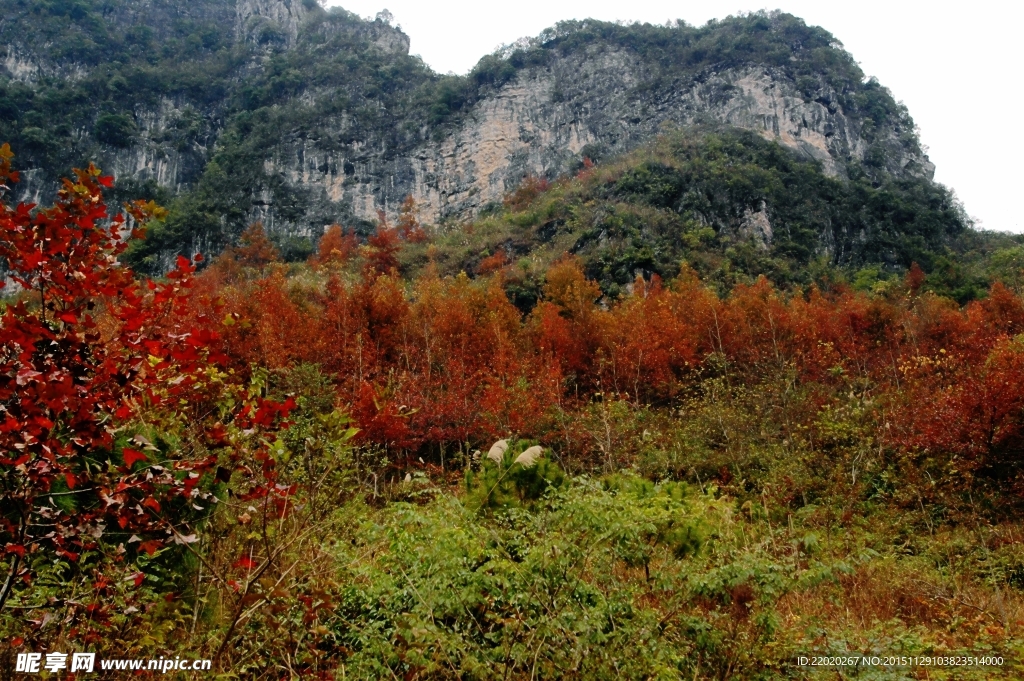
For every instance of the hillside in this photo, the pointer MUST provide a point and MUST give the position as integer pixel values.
(279, 111)
(728, 202)
(640, 352)
(330, 470)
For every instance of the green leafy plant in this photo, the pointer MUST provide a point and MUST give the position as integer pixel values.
(518, 476)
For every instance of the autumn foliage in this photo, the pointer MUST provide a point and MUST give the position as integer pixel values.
(97, 370)
(446, 361)
(408, 224)
(255, 249)
(335, 247)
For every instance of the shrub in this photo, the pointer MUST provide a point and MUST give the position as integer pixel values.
(519, 479)
(117, 130)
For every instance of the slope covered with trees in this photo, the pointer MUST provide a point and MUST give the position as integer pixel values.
(728, 202)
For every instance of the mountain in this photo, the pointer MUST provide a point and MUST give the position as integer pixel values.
(233, 111)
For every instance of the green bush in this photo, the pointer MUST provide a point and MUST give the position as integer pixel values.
(509, 483)
(117, 130)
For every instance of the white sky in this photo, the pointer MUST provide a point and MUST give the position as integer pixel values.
(957, 67)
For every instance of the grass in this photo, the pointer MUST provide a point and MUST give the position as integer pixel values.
(597, 583)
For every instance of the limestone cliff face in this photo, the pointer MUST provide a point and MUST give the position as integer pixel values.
(547, 119)
(175, 136)
(256, 20)
(159, 155)
(153, 158)
(258, 16)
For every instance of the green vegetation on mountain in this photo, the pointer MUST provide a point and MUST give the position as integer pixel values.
(98, 63)
(732, 205)
(103, 67)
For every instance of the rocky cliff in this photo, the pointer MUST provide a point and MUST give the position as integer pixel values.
(238, 110)
(546, 120)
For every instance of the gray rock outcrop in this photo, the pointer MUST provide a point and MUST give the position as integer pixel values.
(544, 122)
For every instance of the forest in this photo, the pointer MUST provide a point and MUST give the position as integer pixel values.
(387, 461)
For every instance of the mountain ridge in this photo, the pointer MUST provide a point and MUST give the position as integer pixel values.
(282, 112)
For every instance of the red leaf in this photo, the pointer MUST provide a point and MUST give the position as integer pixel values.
(68, 317)
(245, 563)
(131, 456)
(16, 549)
(151, 546)
(150, 502)
(43, 422)
(71, 480)
(140, 577)
(107, 181)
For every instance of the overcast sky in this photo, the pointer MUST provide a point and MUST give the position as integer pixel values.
(957, 67)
